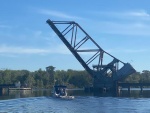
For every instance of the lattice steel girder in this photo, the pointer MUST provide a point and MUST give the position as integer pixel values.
(76, 39)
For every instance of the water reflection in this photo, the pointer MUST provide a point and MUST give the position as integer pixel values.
(24, 93)
(135, 93)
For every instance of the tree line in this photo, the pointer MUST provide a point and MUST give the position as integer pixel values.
(72, 78)
(45, 78)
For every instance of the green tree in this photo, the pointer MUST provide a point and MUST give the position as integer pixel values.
(1, 77)
(51, 72)
(145, 76)
(7, 77)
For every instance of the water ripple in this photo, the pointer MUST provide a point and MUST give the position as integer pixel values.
(78, 105)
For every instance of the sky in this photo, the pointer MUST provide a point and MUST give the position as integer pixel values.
(120, 27)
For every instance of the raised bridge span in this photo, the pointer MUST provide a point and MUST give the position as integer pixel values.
(105, 69)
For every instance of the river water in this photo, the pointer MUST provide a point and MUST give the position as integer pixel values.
(36, 101)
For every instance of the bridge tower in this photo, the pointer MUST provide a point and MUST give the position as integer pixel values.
(105, 69)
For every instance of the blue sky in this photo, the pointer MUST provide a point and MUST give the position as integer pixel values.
(120, 27)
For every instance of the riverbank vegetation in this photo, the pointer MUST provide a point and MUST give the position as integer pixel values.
(72, 78)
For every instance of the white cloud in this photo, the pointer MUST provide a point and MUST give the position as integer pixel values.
(57, 14)
(9, 50)
(133, 23)
(61, 49)
(136, 14)
(20, 50)
(128, 50)
(140, 13)
(136, 51)
(121, 28)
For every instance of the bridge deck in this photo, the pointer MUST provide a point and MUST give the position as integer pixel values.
(133, 84)
(6, 85)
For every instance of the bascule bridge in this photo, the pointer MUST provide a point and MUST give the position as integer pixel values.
(105, 69)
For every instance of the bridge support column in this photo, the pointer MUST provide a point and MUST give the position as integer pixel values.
(129, 89)
(141, 88)
(1, 91)
(115, 87)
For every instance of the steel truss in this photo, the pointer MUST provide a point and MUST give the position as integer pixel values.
(104, 74)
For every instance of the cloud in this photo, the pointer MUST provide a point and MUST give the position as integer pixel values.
(140, 13)
(134, 14)
(57, 14)
(127, 50)
(121, 28)
(10, 50)
(128, 29)
(20, 50)
(13, 51)
(136, 51)
(129, 22)
(61, 49)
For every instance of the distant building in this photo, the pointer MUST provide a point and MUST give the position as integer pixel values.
(17, 84)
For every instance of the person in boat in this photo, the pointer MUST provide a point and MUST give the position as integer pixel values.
(57, 91)
(60, 91)
(63, 92)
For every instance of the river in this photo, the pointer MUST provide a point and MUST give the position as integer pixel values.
(41, 101)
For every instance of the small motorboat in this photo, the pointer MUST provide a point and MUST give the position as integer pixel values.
(59, 91)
